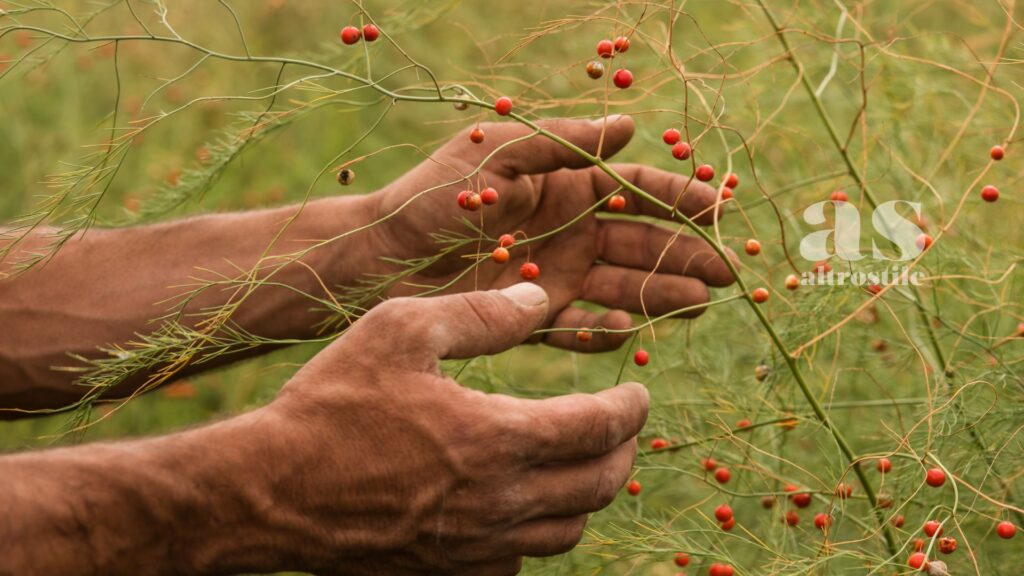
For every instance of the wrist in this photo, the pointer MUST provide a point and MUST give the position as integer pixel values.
(345, 225)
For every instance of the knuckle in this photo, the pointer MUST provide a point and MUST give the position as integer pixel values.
(391, 311)
(602, 424)
(606, 488)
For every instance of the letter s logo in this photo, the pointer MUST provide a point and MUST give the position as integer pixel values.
(897, 229)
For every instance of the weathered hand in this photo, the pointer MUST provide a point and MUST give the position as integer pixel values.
(542, 186)
(383, 465)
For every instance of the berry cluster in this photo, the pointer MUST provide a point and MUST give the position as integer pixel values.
(351, 35)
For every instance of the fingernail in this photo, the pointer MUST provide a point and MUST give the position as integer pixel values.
(609, 119)
(526, 294)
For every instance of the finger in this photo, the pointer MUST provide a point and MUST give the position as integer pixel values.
(539, 154)
(544, 536)
(456, 326)
(646, 247)
(590, 324)
(568, 489)
(579, 426)
(501, 567)
(642, 292)
(691, 197)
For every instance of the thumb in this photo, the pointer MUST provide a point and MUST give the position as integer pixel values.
(456, 326)
(539, 154)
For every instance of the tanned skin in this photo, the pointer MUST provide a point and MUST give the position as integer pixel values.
(370, 460)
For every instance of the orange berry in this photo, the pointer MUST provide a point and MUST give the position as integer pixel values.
(760, 295)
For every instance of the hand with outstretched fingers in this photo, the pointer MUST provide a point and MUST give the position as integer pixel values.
(627, 266)
(391, 467)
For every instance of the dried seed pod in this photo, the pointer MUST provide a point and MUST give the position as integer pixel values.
(761, 372)
(346, 176)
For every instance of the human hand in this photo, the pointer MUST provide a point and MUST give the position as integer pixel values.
(383, 465)
(542, 186)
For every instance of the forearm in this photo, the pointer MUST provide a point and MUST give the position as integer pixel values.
(105, 286)
(188, 503)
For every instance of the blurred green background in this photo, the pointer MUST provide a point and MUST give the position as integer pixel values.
(922, 67)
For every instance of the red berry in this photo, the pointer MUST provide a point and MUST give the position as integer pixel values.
(623, 78)
(990, 193)
(822, 521)
(476, 136)
(682, 559)
(503, 106)
(723, 513)
(726, 193)
(350, 35)
(760, 295)
(917, 561)
(529, 271)
(918, 544)
(997, 152)
(792, 282)
(595, 69)
(621, 44)
(790, 488)
(489, 196)
(617, 203)
(729, 524)
(681, 150)
(898, 521)
(722, 475)
(768, 502)
(1006, 530)
(633, 487)
(752, 247)
(923, 241)
(506, 240)
(604, 48)
(463, 199)
(732, 180)
(743, 423)
(839, 196)
(584, 336)
(371, 32)
(720, 570)
(671, 136)
(500, 255)
(705, 173)
(947, 545)
(883, 465)
(792, 518)
(935, 477)
(874, 288)
(641, 357)
(709, 464)
(801, 500)
(932, 527)
(823, 267)
(659, 443)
